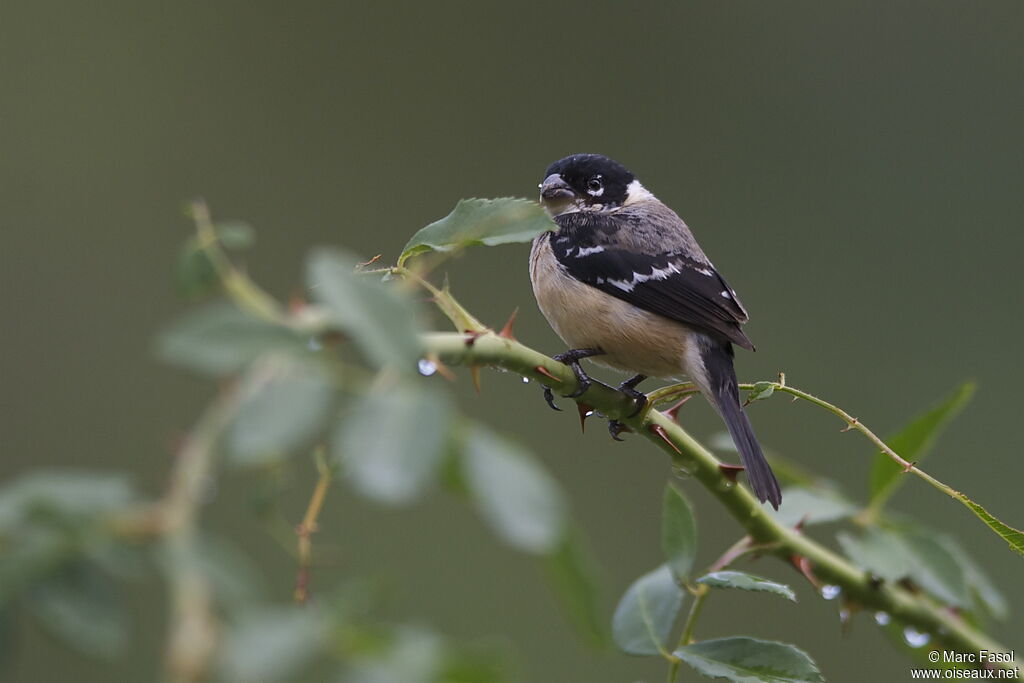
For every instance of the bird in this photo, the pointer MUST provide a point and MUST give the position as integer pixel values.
(624, 284)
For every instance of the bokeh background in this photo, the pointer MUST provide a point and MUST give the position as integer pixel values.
(855, 169)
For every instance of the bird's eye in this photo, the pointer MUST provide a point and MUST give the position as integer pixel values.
(594, 184)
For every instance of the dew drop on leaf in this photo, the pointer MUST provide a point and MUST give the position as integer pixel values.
(882, 618)
(526, 380)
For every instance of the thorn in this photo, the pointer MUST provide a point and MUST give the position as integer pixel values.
(373, 260)
(853, 423)
(442, 369)
(506, 331)
(472, 336)
(846, 613)
(474, 370)
(673, 412)
(803, 565)
(909, 466)
(663, 435)
(799, 526)
(296, 302)
(730, 471)
(794, 399)
(547, 373)
(782, 379)
(585, 411)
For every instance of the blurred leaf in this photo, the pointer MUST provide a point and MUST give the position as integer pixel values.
(69, 493)
(746, 660)
(236, 581)
(573, 572)
(520, 500)
(271, 644)
(761, 391)
(644, 617)
(914, 442)
(986, 595)
(379, 319)
(194, 273)
(678, 532)
(34, 551)
(464, 665)
(284, 403)
(812, 506)
(747, 582)
(391, 442)
(895, 554)
(81, 607)
(219, 339)
(414, 656)
(489, 222)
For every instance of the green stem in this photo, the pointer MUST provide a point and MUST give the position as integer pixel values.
(909, 608)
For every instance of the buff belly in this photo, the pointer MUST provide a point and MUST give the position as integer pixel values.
(632, 339)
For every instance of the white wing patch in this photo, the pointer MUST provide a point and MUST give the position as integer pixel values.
(638, 278)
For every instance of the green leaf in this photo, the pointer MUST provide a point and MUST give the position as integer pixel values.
(572, 570)
(219, 339)
(195, 275)
(812, 506)
(747, 582)
(644, 616)
(897, 553)
(488, 222)
(414, 655)
(271, 644)
(518, 498)
(678, 532)
(67, 493)
(82, 607)
(914, 442)
(749, 660)
(391, 443)
(379, 319)
(761, 391)
(284, 403)
(985, 593)
(1014, 537)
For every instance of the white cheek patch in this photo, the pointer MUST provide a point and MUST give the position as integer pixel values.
(635, 192)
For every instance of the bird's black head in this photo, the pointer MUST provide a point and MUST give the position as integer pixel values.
(583, 182)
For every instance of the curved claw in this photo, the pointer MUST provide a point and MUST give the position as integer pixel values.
(629, 389)
(572, 358)
(550, 398)
(583, 379)
(615, 428)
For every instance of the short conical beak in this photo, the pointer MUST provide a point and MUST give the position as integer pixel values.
(555, 190)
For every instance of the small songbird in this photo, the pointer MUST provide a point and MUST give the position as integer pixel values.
(624, 283)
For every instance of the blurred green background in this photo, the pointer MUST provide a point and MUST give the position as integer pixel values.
(856, 170)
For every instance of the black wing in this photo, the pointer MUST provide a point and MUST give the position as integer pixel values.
(668, 283)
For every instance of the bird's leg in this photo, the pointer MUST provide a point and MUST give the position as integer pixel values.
(629, 389)
(572, 358)
(550, 398)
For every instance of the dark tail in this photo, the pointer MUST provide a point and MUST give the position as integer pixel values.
(721, 378)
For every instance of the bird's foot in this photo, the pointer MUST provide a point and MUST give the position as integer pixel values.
(615, 428)
(572, 358)
(629, 389)
(550, 398)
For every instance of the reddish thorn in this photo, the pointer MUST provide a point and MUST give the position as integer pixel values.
(474, 371)
(730, 471)
(471, 336)
(296, 302)
(799, 526)
(443, 370)
(673, 412)
(506, 331)
(909, 466)
(803, 565)
(585, 411)
(373, 260)
(663, 435)
(547, 373)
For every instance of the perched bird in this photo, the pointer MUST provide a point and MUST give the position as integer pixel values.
(624, 283)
